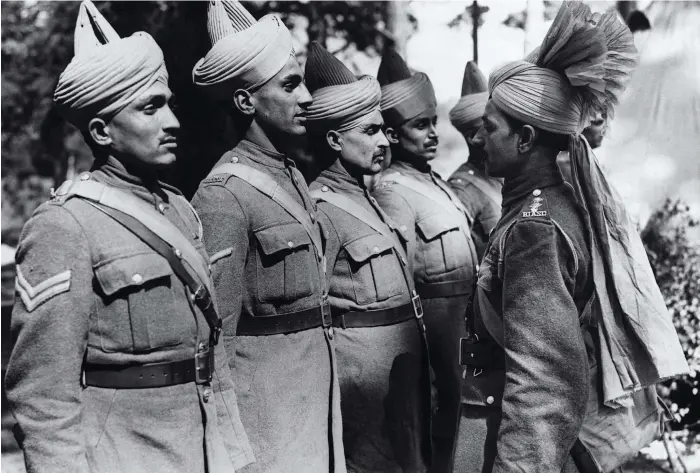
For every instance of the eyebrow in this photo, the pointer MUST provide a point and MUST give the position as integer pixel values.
(293, 76)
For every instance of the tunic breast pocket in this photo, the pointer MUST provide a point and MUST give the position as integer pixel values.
(374, 269)
(285, 264)
(141, 314)
(445, 248)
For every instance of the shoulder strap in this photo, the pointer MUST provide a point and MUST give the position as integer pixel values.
(113, 198)
(443, 199)
(474, 180)
(454, 199)
(200, 293)
(346, 204)
(265, 184)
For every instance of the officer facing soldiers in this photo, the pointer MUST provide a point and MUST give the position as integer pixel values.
(266, 249)
(565, 282)
(382, 351)
(480, 194)
(436, 226)
(113, 367)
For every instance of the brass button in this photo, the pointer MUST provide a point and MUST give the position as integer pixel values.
(536, 192)
(290, 244)
(137, 278)
(161, 207)
(234, 159)
(324, 189)
(206, 394)
(84, 176)
(178, 253)
(471, 172)
(375, 249)
(489, 400)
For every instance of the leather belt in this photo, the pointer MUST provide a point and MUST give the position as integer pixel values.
(444, 289)
(319, 316)
(378, 318)
(157, 375)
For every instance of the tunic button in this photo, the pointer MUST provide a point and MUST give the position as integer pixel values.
(201, 346)
(324, 189)
(137, 278)
(375, 249)
(471, 172)
(477, 268)
(536, 192)
(234, 159)
(178, 253)
(290, 244)
(330, 333)
(205, 396)
(84, 176)
(161, 207)
(489, 400)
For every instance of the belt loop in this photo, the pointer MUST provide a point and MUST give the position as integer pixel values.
(417, 306)
(342, 321)
(204, 366)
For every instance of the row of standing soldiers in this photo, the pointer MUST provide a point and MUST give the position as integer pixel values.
(292, 319)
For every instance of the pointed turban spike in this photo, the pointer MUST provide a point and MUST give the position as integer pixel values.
(323, 69)
(91, 30)
(241, 19)
(474, 80)
(392, 68)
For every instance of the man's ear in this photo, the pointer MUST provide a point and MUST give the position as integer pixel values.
(243, 101)
(391, 135)
(99, 132)
(334, 140)
(528, 135)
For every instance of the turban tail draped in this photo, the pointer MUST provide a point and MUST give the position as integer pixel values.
(407, 98)
(102, 81)
(345, 106)
(583, 66)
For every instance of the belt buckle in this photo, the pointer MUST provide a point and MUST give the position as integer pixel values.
(204, 366)
(417, 306)
(326, 318)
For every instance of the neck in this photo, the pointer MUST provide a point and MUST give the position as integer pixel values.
(128, 171)
(476, 158)
(399, 154)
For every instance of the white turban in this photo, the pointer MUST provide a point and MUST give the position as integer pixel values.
(107, 72)
(340, 101)
(245, 54)
(470, 107)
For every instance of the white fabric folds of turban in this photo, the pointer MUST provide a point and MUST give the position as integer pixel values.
(344, 107)
(468, 109)
(246, 59)
(101, 82)
(407, 98)
(538, 96)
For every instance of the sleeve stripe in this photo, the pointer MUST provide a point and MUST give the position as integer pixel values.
(33, 296)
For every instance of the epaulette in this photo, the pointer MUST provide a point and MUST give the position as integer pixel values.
(60, 196)
(216, 179)
(535, 207)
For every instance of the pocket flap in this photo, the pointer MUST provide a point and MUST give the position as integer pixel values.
(132, 270)
(435, 225)
(285, 237)
(364, 248)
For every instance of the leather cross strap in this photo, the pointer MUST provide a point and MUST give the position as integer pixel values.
(265, 184)
(128, 204)
(347, 205)
(199, 292)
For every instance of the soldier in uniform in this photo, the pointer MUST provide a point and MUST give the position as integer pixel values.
(266, 249)
(113, 364)
(382, 351)
(436, 225)
(480, 194)
(545, 385)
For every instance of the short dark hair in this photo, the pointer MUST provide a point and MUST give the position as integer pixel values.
(545, 138)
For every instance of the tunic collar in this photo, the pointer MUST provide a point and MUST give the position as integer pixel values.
(260, 155)
(337, 177)
(145, 185)
(516, 188)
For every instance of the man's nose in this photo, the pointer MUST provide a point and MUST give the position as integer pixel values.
(170, 121)
(478, 139)
(383, 141)
(304, 96)
(433, 133)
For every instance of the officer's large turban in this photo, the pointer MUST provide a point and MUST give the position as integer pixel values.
(107, 72)
(404, 95)
(245, 54)
(583, 66)
(470, 107)
(340, 101)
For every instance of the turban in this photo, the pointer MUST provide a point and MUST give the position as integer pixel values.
(340, 101)
(245, 54)
(107, 72)
(470, 107)
(583, 66)
(404, 96)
